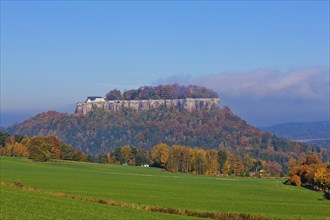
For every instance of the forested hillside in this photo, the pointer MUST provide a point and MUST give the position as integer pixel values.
(101, 131)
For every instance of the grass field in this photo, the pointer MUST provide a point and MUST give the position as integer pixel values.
(146, 186)
(20, 204)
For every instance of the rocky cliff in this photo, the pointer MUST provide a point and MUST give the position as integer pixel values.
(189, 104)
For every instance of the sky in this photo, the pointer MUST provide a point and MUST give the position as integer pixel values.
(269, 61)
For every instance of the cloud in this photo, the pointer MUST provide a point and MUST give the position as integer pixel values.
(307, 83)
(265, 97)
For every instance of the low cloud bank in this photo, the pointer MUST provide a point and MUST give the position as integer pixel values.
(310, 83)
(264, 97)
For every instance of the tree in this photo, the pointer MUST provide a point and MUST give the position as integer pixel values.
(199, 161)
(212, 162)
(229, 164)
(132, 94)
(312, 159)
(141, 157)
(238, 166)
(187, 155)
(174, 162)
(274, 168)
(295, 180)
(164, 92)
(327, 183)
(320, 178)
(127, 155)
(159, 155)
(56, 147)
(222, 157)
(114, 95)
(312, 173)
(118, 156)
(105, 158)
(249, 165)
(3, 137)
(78, 155)
(39, 148)
(291, 163)
(67, 152)
(20, 150)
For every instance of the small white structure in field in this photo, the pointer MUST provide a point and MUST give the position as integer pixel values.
(145, 165)
(94, 99)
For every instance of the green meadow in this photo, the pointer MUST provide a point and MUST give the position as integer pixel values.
(20, 204)
(138, 186)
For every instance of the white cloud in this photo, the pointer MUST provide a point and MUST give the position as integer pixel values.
(307, 83)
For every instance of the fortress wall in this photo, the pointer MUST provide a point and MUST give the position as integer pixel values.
(189, 104)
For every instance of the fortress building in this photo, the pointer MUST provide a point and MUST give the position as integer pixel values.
(188, 104)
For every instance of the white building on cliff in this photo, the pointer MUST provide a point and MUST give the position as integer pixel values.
(94, 99)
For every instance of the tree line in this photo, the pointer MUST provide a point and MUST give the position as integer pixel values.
(174, 91)
(308, 171)
(182, 159)
(177, 158)
(38, 148)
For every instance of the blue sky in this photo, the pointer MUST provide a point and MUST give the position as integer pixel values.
(255, 54)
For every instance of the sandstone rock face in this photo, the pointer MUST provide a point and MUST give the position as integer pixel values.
(189, 104)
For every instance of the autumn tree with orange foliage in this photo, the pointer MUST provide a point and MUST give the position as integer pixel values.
(160, 154)
(199, 161)
(174, 163)
(311, 173)
(212, 163)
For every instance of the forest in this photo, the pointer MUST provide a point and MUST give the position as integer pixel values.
(100, 132)
(174, 91)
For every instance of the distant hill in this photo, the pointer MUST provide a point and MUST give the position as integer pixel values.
(314, 133)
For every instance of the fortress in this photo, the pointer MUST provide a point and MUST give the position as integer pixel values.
(188, 104)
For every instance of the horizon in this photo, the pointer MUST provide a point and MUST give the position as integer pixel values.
(268, 61)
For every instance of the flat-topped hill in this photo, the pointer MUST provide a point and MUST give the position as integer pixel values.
(107, 124)
(146, 98)
(188, 104)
